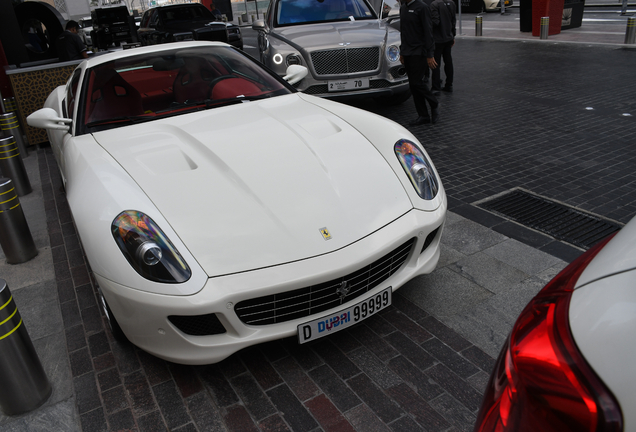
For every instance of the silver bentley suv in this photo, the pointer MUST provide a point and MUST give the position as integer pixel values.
(349, 50)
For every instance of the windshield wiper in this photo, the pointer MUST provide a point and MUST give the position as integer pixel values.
(129, 119)
(216, 103)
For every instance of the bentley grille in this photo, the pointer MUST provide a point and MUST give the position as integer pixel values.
(303, 302)
(346, 60)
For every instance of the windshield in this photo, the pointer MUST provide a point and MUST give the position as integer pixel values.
(185, 13)
(157, 85)
(291, 12)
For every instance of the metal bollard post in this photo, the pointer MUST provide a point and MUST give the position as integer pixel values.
(10, 126)
(9, 105)
(15, 236)
(12, 166)
(545, 27)
(22, 379)
(240, 21)
(478, 25)
(630, 32)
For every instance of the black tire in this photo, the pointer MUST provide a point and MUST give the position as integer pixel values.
(395, 99)
(115, 329)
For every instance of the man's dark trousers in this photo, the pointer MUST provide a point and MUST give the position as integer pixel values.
(416, 66)
(443, 50)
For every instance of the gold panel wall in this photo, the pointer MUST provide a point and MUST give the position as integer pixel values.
(31, 87)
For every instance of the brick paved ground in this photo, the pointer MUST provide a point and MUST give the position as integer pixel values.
(520, 117)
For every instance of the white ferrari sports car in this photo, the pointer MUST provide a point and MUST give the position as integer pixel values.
(220, 208)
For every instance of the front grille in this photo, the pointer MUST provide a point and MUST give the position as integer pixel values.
(303, 302)
(345, 60)
(198, 325)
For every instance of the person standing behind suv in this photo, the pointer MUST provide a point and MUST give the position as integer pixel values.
(69, 45)
(443, 18)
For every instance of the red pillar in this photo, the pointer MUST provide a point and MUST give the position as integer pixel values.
(547, 8)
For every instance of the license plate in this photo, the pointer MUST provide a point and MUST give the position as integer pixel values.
(351, 84)
(345, 318)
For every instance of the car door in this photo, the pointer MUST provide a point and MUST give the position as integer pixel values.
(59, 139)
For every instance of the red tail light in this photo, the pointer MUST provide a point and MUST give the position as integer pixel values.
(541, 382)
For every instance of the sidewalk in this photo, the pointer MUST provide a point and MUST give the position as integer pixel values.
(555, 118)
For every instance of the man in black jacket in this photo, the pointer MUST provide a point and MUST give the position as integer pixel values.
(70, 45)
(416, 53)
(443, 18)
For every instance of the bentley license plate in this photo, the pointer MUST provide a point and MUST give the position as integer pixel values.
(345, 318)
(351, 84)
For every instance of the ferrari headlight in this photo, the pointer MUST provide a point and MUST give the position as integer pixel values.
(418, 168)
(147, 248)
(393, 53)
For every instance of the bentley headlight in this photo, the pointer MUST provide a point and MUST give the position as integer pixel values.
(393, 53)
(418, 168)
(147, 248)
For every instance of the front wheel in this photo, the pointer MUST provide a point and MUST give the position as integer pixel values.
(395, 99)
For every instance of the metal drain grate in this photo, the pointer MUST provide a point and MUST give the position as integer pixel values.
(557, 220)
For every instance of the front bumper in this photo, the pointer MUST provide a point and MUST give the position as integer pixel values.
(144, 319)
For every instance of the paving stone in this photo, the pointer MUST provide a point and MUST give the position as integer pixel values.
(121, 420)
(108, 379)
(372, 366)
(335, 358)
(469, 237)
(238, 419)
(407, 326)
(449, 358)
(94, 420)
(375, 398)
(479, 358)
(273, 423)
(488, 272)
(411, 350)
(293, 412)
(218, 386)
(252, 396)
(383, 350)
(115, 400)
(205, 415)
(414, 377)
(455, 386)
(521, 256)
(405, 424)
(140, 393)
(327, 414)
(334, 388)
(260, 368)
(444, 293)
(444, 333)
(423, 413)
(186, 380)
(171, 405)
(363, 419)
(296, 378)
(454, 412)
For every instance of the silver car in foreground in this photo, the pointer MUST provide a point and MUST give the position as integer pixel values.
(348, 50)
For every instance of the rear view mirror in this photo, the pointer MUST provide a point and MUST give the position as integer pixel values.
(47, 118)
(295, 73)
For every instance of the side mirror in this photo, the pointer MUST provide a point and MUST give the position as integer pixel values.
(47, 118)
(295, 73)
(259, 24)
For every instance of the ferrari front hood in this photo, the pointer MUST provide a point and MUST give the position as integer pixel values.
(260, 183)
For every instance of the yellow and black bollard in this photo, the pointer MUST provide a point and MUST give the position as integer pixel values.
(12, 166)
(11, 127)
(24, 385)
(15, 236)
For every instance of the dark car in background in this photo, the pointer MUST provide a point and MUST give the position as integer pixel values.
(112, 25)
(181, 22)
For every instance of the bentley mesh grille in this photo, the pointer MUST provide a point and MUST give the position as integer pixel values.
(303, 302)
(198, 325)
(345, 60)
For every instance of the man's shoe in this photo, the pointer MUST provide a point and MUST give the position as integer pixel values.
(435, 115)
(420, 121)
(447, 89)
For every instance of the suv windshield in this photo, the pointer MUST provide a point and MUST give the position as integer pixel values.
(184, 13)
(291, 12)
(172, 82)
